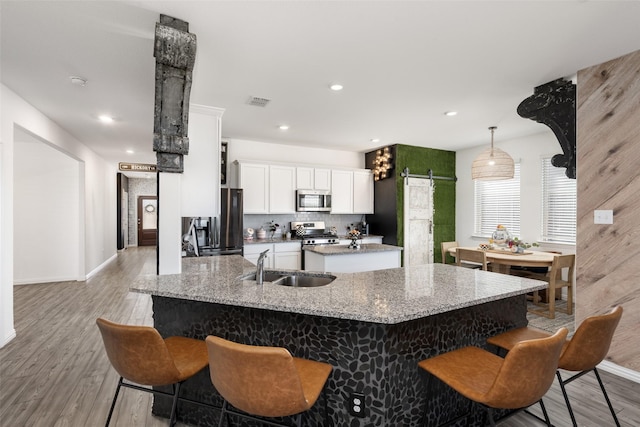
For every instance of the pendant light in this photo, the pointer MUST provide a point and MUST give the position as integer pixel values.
(492, 164)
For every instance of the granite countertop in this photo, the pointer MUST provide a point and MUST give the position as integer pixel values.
(345, 250)
(384, 296)
(276, 239)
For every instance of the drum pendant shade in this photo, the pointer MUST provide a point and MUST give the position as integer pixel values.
(492, 164)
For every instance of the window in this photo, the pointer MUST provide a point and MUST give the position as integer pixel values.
(498, 202)
(559, 203)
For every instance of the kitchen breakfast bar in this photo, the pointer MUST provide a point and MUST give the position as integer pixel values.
(372, 327)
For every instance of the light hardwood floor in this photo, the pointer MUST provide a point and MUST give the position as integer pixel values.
(55, 372)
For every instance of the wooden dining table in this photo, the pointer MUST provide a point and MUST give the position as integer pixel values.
(502, 260)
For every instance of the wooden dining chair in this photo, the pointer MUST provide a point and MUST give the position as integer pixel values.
(444, 248)
(473, 258)
(582, 353)
(556, 282)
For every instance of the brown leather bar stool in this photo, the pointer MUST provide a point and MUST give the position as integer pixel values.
(515, 382)
(140, 355)
(588, 347)
(264, 381)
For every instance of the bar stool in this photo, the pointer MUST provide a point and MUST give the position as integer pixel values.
(264, 381)
(588, 347)
(140, 355)
(515, 382)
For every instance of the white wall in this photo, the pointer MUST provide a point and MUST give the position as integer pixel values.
(528, 151)
(46, 213)
(240, 149)
(201, 177)
(97, 217)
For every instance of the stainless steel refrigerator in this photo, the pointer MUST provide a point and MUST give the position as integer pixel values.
(230, 232)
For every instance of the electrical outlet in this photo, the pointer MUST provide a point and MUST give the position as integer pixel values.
(356, 405)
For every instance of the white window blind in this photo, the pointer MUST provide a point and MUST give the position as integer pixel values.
(497, 202)
(559, 202)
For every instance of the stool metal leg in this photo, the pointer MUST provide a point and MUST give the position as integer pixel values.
(174, 406)
(566, 399)
(544, 412)
(113, 404)
(606, 397)
(223, 413)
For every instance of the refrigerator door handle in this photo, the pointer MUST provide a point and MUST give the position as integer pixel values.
(216, 233)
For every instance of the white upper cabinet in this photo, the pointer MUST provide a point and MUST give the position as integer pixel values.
(363, 192)
(313, 178)
(270, 188)
(282, 189)
(341, 192)
(254, 180)
(322, 178)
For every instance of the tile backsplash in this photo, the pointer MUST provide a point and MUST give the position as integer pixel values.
(341, 222)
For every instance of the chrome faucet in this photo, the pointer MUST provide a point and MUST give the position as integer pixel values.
(260, 270)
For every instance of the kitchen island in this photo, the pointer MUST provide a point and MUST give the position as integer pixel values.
(372, 327)
(343, 259)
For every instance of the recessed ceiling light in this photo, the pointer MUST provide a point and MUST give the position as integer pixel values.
(283, 127)
(105, 119)
(450, 113)
(375, 140)
(336, 87)
(78, 81)
(130, 151)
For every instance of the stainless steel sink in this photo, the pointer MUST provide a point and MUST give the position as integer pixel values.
(305, 281)
(300, 280)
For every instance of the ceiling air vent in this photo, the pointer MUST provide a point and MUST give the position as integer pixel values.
(257, 101)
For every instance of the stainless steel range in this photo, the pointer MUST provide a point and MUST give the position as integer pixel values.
(313, 233)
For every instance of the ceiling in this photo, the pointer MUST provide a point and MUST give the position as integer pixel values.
(402, 64)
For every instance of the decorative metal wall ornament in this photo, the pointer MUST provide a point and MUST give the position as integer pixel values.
(175, 53)
(554, 104)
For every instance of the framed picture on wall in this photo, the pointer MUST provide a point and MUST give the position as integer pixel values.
(223, 163)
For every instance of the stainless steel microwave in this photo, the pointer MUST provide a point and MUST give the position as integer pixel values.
(313, 201)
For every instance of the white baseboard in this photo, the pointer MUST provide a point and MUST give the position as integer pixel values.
(100, 267)
(37, 281)
(6, 340)
(620, 371)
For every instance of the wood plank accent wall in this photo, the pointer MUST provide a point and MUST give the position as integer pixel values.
(608, 150)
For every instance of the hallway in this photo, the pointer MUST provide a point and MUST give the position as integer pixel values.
(56, 373)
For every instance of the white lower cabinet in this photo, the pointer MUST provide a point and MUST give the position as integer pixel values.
(287, 255)
(253, 251)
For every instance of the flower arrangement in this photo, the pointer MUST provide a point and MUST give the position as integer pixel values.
(272, 227)
(518, 245)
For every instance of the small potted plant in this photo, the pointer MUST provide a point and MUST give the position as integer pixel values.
(273, 227)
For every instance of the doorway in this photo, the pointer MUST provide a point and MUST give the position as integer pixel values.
(147, 220)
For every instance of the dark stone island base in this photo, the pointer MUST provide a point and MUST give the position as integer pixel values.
(377, 360)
